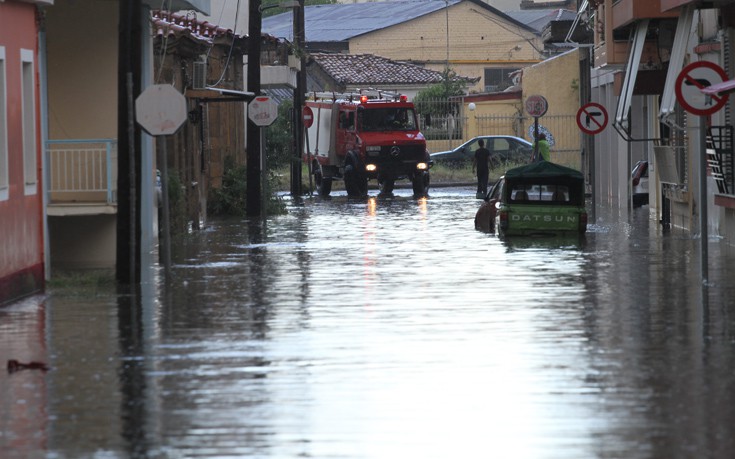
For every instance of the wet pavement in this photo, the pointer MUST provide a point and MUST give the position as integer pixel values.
(386, 328)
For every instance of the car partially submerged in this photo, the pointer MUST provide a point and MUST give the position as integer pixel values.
(542, 198)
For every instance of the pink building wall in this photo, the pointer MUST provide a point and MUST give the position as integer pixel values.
(21, 209)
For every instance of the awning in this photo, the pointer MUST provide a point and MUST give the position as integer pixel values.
(631, 72)
(582, 9)
(676, 61)
(219, 95)
(720, 88)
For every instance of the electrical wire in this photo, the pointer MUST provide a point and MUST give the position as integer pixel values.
(164, 45)
(504, 26)
(232, 45)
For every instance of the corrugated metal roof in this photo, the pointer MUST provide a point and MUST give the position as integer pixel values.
(340, 22)
(538, 19)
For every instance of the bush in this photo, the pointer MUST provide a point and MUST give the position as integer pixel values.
(232, 197)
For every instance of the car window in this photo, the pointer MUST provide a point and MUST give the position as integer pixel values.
(500, 145)
(495, 190)
(516, 145)
(525, 192)
(472, 146)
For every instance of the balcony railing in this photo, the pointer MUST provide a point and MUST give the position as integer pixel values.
(82, 171)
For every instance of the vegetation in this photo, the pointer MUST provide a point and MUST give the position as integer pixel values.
(279, 138)
(439, 106)
(451, 86)
(177, 204)
(81, 281)
(231, 198)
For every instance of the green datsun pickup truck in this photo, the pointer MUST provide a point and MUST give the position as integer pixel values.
(542, 198)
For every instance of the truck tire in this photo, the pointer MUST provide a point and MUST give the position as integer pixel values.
(386, 186)
(420, 183)
(355, 177)
(323, 185)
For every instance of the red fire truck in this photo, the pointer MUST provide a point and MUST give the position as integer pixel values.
(361, 136)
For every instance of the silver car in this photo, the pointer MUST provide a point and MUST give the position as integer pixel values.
(503, 149)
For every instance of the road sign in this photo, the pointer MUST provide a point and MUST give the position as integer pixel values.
(263, 111)
(160, 109)
(536, 105)
(690, 82)
(308, 115)
(592, 118)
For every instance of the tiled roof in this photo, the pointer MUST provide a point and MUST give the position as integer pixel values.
(169, 23)
(367, 69)
(185, 25)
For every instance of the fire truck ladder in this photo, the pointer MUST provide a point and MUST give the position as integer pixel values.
(720, 156)
(372, 94)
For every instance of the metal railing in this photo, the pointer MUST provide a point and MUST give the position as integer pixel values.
(82, 170)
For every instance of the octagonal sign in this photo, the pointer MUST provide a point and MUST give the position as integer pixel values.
(263, 111)
(160, 109)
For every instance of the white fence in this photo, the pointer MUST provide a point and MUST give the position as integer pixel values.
(82, 170)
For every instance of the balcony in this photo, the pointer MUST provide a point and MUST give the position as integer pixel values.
(625, 12)
(82, 177)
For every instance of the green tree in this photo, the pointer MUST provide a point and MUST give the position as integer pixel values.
(440, 103)
(435, 100)
(279, 137)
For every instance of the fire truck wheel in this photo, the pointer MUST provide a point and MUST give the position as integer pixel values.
(386, 185)
(323, 185)
(420, 184)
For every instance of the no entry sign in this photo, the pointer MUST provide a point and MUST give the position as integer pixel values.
(690, 82)
(308, 116)
(592, 118)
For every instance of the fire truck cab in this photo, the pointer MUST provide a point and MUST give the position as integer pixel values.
(357, 137)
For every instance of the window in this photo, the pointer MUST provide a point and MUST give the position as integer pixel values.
(29, 121)
(3, 129)
(498, 79)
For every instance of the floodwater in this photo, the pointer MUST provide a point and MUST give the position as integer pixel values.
(386, 328)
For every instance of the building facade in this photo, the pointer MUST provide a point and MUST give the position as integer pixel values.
(21, 190)
(641, 49)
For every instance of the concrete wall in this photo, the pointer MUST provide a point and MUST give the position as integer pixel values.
(98, 233)
(82, 69)
(557, 80)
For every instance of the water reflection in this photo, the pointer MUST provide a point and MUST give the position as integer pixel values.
(389, 327)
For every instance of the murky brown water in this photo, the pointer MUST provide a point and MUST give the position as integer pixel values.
(386, 328)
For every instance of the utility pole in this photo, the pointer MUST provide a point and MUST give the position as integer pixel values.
(254, 185)
(298, 98)
(128, 258)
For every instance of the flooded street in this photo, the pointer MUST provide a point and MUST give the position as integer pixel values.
(386, 328)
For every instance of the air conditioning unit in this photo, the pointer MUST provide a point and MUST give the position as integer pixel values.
(200, 75)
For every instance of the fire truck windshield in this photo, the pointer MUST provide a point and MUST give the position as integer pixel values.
(388, 118)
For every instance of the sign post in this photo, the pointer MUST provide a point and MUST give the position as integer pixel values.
(536, 106)
(689, 85)
(161, 110)
(262, 111)
(308, 120)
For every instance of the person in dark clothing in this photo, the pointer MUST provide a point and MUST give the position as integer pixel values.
(481, 163)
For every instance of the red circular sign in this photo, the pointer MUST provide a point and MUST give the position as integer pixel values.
(690, 82)
(592, 118)
(536, 105)
(308, 116)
